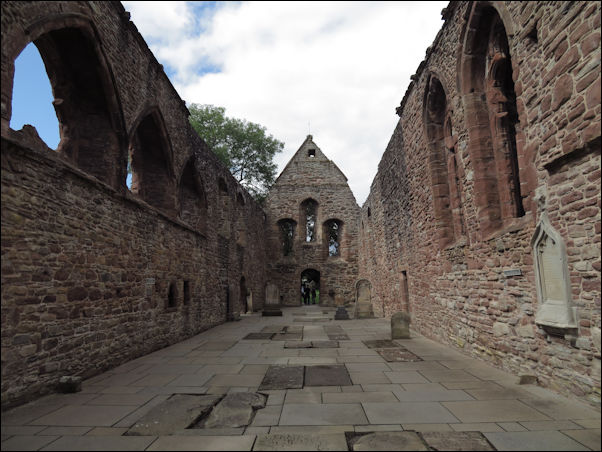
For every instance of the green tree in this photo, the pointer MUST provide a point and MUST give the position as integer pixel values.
(243, 146)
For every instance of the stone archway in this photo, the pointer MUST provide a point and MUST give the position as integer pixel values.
(310, 280)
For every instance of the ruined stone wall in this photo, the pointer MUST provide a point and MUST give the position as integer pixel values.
(317, 178)
(94, 274)
(477, 290)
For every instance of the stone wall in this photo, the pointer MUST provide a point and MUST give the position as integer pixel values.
(467, 261)
(95, 274)
(311, 175)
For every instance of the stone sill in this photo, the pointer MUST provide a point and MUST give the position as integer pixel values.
(512, 225)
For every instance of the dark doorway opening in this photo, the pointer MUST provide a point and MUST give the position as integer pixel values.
(243, 295)
(310, 286)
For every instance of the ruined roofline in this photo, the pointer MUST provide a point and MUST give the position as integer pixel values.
(446, 14)
(123, 13)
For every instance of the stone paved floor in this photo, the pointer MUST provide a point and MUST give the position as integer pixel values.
(445, 392)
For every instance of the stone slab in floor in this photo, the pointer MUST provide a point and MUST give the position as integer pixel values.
(498, 411)
(298, 344)
(282, 377)
(85, 415)
(385, 441)
(287, 337)
(176, 413)
(327, 375)
(323, 414)
(273, 329)
(381, 343)
(235, 410)
(406, 413)
(325, 344)
(257, 336)
(294, 441)
(393, 355)
(241, 442)
(457, 441)
(79, 443)
(338, 337)
(549, 440)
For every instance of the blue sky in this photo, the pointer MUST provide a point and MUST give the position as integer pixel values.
(336, 69)
(32, 97)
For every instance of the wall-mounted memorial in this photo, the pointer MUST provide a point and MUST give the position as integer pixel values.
(555, 313)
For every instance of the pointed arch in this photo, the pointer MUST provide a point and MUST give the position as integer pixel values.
(487, 86)
(86, 101)
(192, 197)
(443, 162)
(151, 157)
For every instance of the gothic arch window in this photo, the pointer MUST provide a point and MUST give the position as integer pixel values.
(150, 155)
(492, 119)
(309, 219)
(443, 163)
(333, 233)
(91, 125)
(286, 229)
(193, 202)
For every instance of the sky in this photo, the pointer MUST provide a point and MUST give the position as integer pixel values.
(335, 70)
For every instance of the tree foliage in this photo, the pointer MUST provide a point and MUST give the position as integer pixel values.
(243, 146)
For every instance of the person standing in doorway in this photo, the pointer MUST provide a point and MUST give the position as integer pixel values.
(306, 295)
(313, 295)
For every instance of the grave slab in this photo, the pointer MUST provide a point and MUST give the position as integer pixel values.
(381, 343)
(328, 375)
(257, 336)
(176, 413)
(282, 377)
(457, 441)
(235, 410)
(393, 355)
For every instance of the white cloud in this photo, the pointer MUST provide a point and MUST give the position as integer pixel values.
(343, 67)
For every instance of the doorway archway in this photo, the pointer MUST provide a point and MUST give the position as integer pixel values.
(310, 283)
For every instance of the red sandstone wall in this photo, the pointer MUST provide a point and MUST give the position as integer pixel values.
(458, 293)
(87, 265)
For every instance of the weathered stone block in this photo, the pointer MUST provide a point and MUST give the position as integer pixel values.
(400, 325)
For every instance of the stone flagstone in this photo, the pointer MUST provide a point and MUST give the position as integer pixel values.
(282, 377)
(327, 375)
(389, 441)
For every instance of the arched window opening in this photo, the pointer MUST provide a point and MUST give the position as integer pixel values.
(186, 295)
(287, 235)
(150, 155)
(172, 295)
(332, 233)
(492, 119)
(309, 215)
(439, 158)
(503, 118)
(223, 208)
(193, 203)
(32, 97)
(453, 178)
(85, 102)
